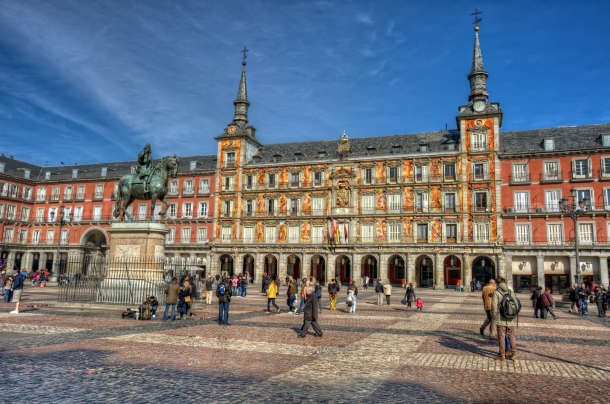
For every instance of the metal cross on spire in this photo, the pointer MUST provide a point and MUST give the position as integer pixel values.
(244, 52)
(476, 13)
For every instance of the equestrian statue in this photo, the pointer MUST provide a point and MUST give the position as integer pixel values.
(149, 183)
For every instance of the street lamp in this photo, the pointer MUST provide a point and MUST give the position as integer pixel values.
(575, 210)
(62, 221)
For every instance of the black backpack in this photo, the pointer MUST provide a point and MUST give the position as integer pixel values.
(509, 305)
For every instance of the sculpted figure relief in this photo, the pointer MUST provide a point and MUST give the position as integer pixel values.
(260, 233)
(282, 234)
(380, 200)
(342, 195)
(307, 204)
(305, 231)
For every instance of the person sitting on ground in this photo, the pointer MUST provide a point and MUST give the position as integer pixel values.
(154, 303)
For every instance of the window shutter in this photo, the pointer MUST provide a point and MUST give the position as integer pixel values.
(425, 202)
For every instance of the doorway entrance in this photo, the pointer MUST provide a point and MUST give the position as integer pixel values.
(426, 272)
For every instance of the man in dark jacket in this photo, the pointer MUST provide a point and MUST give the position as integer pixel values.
(172, 290)
(223, 293)
(583, 293)
(17, 289)
(310, 312)
(379, 291)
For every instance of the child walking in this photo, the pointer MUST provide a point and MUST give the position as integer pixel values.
(419, 304)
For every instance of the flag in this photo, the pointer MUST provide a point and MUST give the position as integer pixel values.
(345, 231)
(337, 234)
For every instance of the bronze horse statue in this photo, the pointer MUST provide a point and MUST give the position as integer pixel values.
(131, 188)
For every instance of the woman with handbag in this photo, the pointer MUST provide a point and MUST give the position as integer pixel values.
(184, 299)
(409, 296)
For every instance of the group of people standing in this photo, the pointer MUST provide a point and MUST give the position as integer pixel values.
(543, 303)
(579, 297)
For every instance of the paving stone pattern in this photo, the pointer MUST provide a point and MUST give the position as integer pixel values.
(379, 354)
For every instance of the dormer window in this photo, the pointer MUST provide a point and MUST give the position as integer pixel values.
(298, 156)
(451, 145)
(606, 140)
(47, 175)
(193, 165)
(26, 174)
(423, 148)
(104, 171)
(549, 144)
(256, 159)
(75, 173)
(396, 149)
(276, 158)
(370, 151)
(321, 155)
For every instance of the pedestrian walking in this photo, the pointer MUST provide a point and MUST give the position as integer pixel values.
(333, 289)
(573, 298)
(278, 283)
(600, 300)
(379, 291)
(387, 291)
(366, 282)
(302, 295)
(318, 292)
(209, 289)
(8, 284)
(352, 295)
(537, 302)
(172, 290)
(223, 293)
(271, 295)
(472, 283)
(487, 295)
(234, 285)
(244, 286)
(292, 295)
(478, 286)
(504, 311)
(310, 311)
(419, 304)
(410, 296)
(548, 303)
(583, 293)
(17, 289)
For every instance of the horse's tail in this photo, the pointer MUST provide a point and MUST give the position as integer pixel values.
(117, 205)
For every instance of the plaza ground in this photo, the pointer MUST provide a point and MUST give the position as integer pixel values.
(379, 354)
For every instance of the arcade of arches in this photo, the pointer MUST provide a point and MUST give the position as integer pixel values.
(423, 270)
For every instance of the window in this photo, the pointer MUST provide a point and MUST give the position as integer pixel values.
(47, 175)
(25, 213)
(27, 193)
(97, 213)
(172, 211)
(451, 146)
(64, 236)
(481, 232)
(321, 155)
(173, 187)
(249, 207)
(270, 232)
(170, 237)
(551, 171)
(318, 206)
(367, 203)
(298, 156)
(422, 202)
(395, 149)
(41, 194)
(421, 173)
(585, 193)
(449, 171)
(451, 233)
(188, 186)
(295, 179)
(52, 214)
(11, 212)
(75, 173)
(1, 167)
(248, 234)
(549, 144)
(36, 237)
(157, 216)
(133, 169)
(203, 209)
(450, 203)
(204, 186)
(226, 235)
(317, 234)
(78, 213)
(367, 233)
(104, 171)
(368, 175)
(276, 158)
(39, 214)
(231, 158)
(394, 232)
(393, 203)
(2, 210)
(479, 171)
(192, 165)
(520, 173)
(26, 174)
(68, 193)
(227, 210)
(293, 234)
(50, 236)
(186, 235)
(423, 148)
(187, 209)
(318, 177)
(478, 141)
(202, 234)
(8, 235)
(393, 174)
(370, 151)
(271, 206)
(523, 234)
(249, 181)
(271, 180)
(521, 202)
(551, 199)
(554, 234)
(141, 212)
(23, 236)
(606, 140)
(581, 168)
(480, 201)
(99, 192)
(585, 233)
(294, 206)
(55, 194)
(606, 167)
(422, 233)
(80, 194)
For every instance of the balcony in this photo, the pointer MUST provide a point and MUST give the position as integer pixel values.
(604, 174)
(54, 198)
(250, 186)
(98, 196)
(551, 177)
(67, 198)
(519, 179)
(479, 147)
(187, 191)
(580, 176)
(228, 188)
(554, 242)
(79, 197)
(41, 198)
(203, 191)
(172, 192)
(481, 209)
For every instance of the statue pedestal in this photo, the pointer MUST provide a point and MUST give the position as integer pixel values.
(136, 263)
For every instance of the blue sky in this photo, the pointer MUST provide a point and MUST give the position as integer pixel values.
(92, 81)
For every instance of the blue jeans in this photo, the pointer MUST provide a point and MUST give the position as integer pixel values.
(223, 313)
(291, 302)
(584, 305)
(541, 313)
(233, 290)
(353, 308)
(301, 306)
(8, 295)
(173, 311)
(243, 291)
(182, 307)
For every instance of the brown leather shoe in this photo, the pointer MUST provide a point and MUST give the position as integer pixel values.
(513, 357)
(482, 331)
(500, 358)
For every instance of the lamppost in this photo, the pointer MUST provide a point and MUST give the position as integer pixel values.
(62, 221)
(574, 211)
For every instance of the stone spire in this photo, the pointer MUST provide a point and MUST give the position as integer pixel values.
(478, 75)
(241, 103)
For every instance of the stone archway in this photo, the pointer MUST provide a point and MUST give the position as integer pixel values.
(483, 269)
(318, 268)
(424, 266)
(396, 269)
(248, 265)
(94, 241)
(226, 265)
(452, 268)
(293, 266)
(370, 267)
(270, 265)
(343, 268)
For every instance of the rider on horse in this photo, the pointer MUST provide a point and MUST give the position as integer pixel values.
(145, 169)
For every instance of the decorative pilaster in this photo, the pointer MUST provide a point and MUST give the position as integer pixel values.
(603, 269)
(540, 270)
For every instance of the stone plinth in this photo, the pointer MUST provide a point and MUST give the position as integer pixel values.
(143, 241)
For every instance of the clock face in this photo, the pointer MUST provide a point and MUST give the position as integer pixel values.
(231, 129)
(479, 106)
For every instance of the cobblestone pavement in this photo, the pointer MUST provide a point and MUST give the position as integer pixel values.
(379, 354)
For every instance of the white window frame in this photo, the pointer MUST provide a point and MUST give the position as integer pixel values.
(172, 211)
(50, 236)
(78, 213)
(204, 186)
(270, 234)
(550, 204)
(202, 234)
(142, 208)
(188, 187)
(478, 141)
(202, 211)
(523, 233)
(520, 172)
(549, 144)
(367, 204)
(186, 235)
(104, 171)
(173, 188)
(394, 230)
(22, 236)
(97, 212)
(586, 237)
(317, 234)
(187, 209)
(294, 234)
(394, 203)
(549, 174)
(578, 172)
(554, 237)
(75, 173)
(367, 233)
(522, 201)
(481, 232)
(603, 172)
(36, 236)
(170, 237)
(249, 234)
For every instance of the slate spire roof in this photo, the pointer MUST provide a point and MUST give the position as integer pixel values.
(241, 103)
(478, 75)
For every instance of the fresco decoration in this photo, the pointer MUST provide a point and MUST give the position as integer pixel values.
(492, 199)
(435, 168)
(260, 232)
(234, 232)
(494, 228)
(260, 205)
(281, 237)
(459, 166)
(437, 229)
(380, 200)
(380, 231)
(306, 204)
(480, 124)
(470, 230)
(232, 145)
(284, 177)
(407, 170)
(436, 198)
(261, 178)
(307, 176)
(492, 167)
(305, 232)
(407, 228)
(218, 232)
(380, 172)
(283, 205)
(469, 198)
(407, 201)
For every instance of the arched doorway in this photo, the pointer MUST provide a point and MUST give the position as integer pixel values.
(294, 266)
(396, 269)
(35, 261)
(483, 269)
(453, 271)
(247, 268)
(318, 268)
(370, 267)
(271, 266)
(343, 268)
(425, 271)
(18, 260)
(95, 241)
(226, 265)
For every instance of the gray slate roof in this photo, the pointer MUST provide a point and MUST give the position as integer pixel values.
(566, 138)
(383, 145)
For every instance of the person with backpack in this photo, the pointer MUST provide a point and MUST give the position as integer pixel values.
(244, 286)
(223, 293)
(333, 289)
(379, 291)
(209, 287)
(548, 302)
(487, 295)
(271, 295)
(505, 309)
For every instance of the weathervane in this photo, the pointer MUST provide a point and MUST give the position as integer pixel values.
(476, 13)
